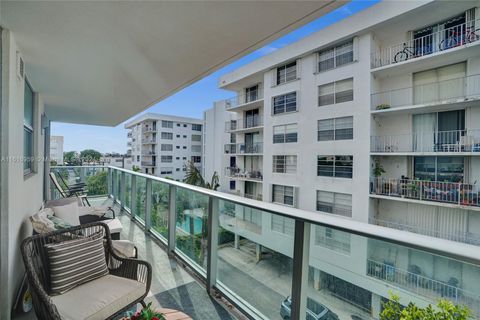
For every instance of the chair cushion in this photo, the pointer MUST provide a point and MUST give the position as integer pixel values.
(75, 262)
(98, 299)
(69, 213)
(41, 222)
(114, 225)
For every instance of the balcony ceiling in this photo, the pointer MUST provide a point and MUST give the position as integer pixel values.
(103, 62)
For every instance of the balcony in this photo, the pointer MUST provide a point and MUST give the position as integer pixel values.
(451, 142)
(149, 129)
(129, 134)
(463, 90)
(437, 43)
(148, 163)
(452, 193)
(464, 237)
(149, 141)
(244, 148)
(129, 143)
(244, 125)
(243, 174)
(148, 153)
(246, 101)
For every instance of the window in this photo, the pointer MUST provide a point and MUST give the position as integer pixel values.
(335, 166)
(166, 170)
(251, 94)
(232, 185)
(196, 159)
(138, 158)
(178, 136)
(166, 159)
(184, 136)
(448, 169)
(196, 137)
(178, 147)
(283, 225)
(233, 138)
(335, 240)
(178, 124)
(167, 135)
(336, 203)
(335, 129)
(167, 124)
(285, 103)
(335, 57)
(196, 148)
(184, 125)
(166, 147)
(184, 147)
(184, 158)
(284, 164)
(285, 133)
(28, 112)
(335, 92)
(177, 169)
(287, 73)
(196, 127)
(177, 158)
(282, 194)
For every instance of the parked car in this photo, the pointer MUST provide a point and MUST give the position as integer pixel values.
(315, 310)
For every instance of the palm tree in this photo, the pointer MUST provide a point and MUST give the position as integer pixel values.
(194, 177)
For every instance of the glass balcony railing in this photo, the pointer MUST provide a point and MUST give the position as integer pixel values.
(440, 92)
(293, 261)
(251, 174)
(244, 124)
(94, 177)
(440, 141)
(244, 148)
(462, 194)
(244, 99)
(148, 163)
(443, 40)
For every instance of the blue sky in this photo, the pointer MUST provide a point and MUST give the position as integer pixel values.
(193, 100)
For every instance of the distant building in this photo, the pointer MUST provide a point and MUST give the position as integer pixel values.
(161, 145)
(56, 149)
(117, 160)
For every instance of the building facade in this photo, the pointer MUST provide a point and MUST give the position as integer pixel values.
(161, 145)
(56, 149)
(377, 119)
(117, 160)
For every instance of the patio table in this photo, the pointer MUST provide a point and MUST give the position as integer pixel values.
(171, 314)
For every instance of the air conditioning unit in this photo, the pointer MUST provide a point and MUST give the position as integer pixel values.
(20, 67)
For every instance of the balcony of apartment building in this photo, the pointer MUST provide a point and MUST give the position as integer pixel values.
(247, 124)
(150, 140)
(253, 148)
(249, 98)
(149, 127)
(129, 134)
(445, 41)
(149, 153)
(244, 174)
(129, 143)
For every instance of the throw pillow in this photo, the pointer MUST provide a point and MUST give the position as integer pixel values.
(75, 262)
(69, 213)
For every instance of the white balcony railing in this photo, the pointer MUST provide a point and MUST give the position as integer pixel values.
(235, 172)
(464, 237)
(463, 194)
(258, 197)
(415, 281)
(149, 141)
(442, 40)
(243, 124)
(440, 141)
(439, 92)
(148, 163)
(148, 153)
(245, 98)
(244, 148)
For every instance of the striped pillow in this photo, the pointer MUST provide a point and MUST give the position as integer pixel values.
(75, 262)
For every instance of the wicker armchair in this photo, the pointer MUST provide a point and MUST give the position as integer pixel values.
(36, 264)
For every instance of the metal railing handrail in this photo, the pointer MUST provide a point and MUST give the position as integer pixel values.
(242, 99)
(455, 250)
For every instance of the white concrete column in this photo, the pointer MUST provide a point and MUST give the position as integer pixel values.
(237, 241)
(258, 252)
(376, 305)
(317, 279)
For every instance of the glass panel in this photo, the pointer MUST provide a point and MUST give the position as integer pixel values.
(191, 233)
(27, 150)
(326, 130)
(128, 190)
(326, 60)
(159, 213)
(28, 106)
(344, 90)
(325, 166)
(96, 180)
(140, 199)
(343, 166)
(118, 185)
(255, 262)
(326, 94)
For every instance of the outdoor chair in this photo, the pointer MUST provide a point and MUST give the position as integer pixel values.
(75, 191)
(123, 283)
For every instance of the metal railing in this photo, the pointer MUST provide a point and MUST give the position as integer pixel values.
(235, 172)
(464, 237)
(442, 40)
(244, 148)
(439, 141)
(189, 221)
(148, 163)
(439, 92)
(245, 98)
(149, 141)
(463, 194)
(243, 124)
(149, 153)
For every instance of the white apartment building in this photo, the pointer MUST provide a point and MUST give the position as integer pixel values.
(375, 118)
(56, 149)
(161, 145)
(117, 160)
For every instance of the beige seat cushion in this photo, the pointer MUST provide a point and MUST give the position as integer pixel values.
(98, 299)
(114, 225)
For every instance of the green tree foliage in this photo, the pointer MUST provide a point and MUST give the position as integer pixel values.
(90, 155)
(194, 177)
(71, 158)
(445, 310)
(97, 184)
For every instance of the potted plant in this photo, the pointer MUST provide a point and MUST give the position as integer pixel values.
(383, 106)
(377, 172)
(146, 313)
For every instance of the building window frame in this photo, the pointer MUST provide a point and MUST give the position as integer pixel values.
(284, 195)
(285, 133)
(334, 56)
(167, 124)
(286, 73)
(166, 135)
(166, 159)
(335, 166)
(336, 92)
(29, 116)
(335, 129)
(284, 164)
(334, 203)
(285, 103)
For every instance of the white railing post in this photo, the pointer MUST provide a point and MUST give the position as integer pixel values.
(212, 242)
(133, 194)
(114, 185)
(301, 255)
(172, 214)
(109, 181)
(122, 191)
(148, 204)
